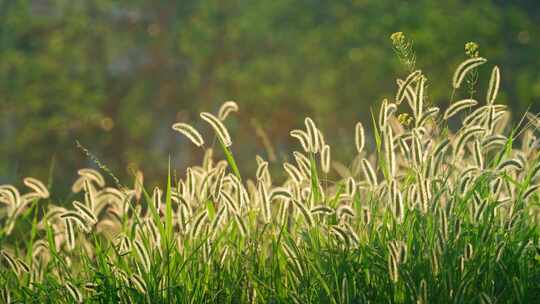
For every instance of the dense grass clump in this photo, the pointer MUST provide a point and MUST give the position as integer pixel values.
(428, 214)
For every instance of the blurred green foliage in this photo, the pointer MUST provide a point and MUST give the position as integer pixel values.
(115, 75)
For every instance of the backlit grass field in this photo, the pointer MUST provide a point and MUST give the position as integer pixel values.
(437, 206)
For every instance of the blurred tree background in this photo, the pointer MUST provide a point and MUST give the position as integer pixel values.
(115, 75)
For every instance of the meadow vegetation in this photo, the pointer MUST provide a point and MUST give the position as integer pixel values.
(436, 206)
